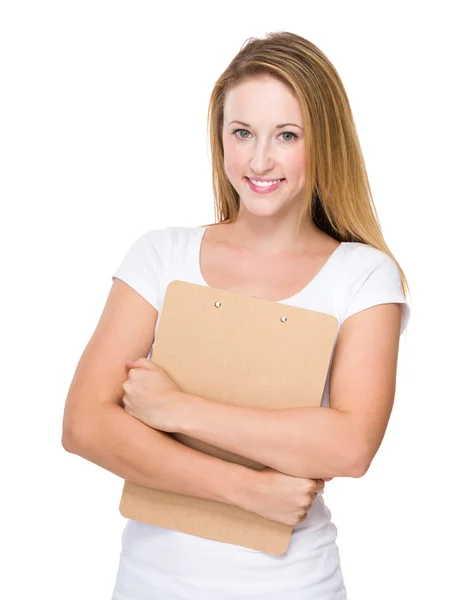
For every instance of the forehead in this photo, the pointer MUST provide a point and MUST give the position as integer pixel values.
(261, 99)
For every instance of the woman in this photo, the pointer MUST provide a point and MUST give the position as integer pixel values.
(296, 224)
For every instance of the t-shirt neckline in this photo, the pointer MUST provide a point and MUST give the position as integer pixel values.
(197, 262)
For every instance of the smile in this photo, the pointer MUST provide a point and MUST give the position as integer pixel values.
(263, 187)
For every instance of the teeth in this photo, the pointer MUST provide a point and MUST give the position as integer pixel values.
(264, 183)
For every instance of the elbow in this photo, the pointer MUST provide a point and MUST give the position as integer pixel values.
(359, 464)
(80, 430)
(72, 433)
(69, 427)
(68, 441)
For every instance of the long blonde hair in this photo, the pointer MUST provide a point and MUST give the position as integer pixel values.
(337, 193)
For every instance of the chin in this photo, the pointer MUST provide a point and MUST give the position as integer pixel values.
(261, 209)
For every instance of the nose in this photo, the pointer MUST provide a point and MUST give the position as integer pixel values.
(261, 159)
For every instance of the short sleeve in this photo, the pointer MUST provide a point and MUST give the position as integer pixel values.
(375, 279)
(143, 266)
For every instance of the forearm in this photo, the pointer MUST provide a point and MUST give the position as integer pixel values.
(118, 442)
(313, 442)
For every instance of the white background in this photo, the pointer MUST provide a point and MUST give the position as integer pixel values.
(103, 137)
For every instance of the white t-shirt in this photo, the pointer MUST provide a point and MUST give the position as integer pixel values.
(168, 565)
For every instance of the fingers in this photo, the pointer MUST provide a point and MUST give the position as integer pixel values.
(142, 362)
(320, 484)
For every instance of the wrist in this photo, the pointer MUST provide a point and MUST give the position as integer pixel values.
(242, 482)
(186, 404)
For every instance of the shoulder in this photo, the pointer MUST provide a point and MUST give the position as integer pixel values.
(180, 235)
(154, 236)
(148, 251)
(371, 277)
(358, 253)
(164, 239)
(360, 260)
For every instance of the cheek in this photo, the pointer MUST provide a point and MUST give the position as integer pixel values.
(231, 165)
(297, 164)
(234, 162)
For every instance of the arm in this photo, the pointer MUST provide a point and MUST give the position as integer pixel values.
(114, 440)
(318, 442)
(97, 427)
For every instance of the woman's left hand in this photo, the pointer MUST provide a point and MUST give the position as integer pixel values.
(151, 396)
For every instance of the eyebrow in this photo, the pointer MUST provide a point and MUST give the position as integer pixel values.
(277, 126)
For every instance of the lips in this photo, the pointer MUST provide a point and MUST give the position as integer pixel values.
(265, 189)
(253, 179)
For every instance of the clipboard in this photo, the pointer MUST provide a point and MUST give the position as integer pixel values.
(240, 350)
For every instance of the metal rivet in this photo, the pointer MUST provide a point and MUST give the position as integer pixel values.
(283, 319)
(218, 304)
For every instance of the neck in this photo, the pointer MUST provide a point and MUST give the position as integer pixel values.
(266, 236)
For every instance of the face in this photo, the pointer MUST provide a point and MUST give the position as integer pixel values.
(256, 148)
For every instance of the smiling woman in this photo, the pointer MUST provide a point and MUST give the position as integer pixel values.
(265, 157)
(296, 224)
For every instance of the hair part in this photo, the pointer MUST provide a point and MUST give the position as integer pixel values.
(337, 194)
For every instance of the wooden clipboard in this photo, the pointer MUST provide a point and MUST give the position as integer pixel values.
(239, 350)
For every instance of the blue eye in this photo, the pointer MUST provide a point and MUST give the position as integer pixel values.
(246, 130)
(289, 133)
(237, 130)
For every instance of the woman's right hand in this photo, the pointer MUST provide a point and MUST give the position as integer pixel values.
(282, 498)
